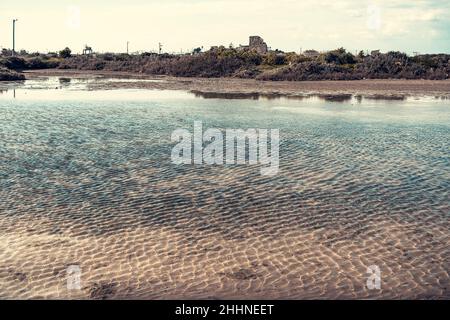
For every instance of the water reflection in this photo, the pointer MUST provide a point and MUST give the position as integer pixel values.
(110, 88)
(338, 97)
(5, 92)
(65, 81)
(226, 95)
(335, 97)
(74, 88)
(386, 97)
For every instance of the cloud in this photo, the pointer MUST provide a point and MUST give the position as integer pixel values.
(285, 24)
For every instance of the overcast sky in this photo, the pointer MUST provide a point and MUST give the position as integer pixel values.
(289, 25)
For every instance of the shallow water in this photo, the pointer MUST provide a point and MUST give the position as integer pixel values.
(87, 180)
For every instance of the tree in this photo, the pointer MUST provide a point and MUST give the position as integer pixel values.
(197, 50)
(339, 56)
(65, 53)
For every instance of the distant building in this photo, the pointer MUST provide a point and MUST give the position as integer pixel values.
(375, 53)
(87, 50)
(256, 43)
(311, 53)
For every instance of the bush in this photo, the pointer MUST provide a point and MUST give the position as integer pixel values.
(41, 63)
(14, 63)
(65, 53)
(310, 71)
(35, 62)
(339, 56)
(229, 62)
(275, 59)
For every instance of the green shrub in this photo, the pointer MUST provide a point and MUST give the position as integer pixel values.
(65, 53)
(275, 59)
(339, 56)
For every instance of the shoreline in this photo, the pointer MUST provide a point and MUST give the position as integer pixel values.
(382, 89)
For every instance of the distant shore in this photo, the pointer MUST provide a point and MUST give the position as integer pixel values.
(388, 89)
(250, 64)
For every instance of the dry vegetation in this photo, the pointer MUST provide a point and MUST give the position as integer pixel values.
(224, 62)
(10, 67)
(229, 62)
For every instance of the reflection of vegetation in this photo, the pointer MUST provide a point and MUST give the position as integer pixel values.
(226, 95)
(9, 75)
(65, 81)
(386, 97)
(337, 97)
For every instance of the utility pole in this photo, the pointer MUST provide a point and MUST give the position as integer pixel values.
(14, 37)
(127, 45)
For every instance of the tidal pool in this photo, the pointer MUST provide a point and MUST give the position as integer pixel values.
(87, 184)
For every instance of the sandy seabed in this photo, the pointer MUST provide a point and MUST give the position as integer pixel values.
(150, 230)
(246, 244)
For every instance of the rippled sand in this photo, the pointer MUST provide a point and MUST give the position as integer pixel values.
(91, 184)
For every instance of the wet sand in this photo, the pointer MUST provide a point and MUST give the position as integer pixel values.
(368, 88)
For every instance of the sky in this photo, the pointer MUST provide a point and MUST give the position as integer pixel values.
(180, 25)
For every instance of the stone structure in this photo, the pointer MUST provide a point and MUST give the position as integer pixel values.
(87, 50)
(375, 53)
(257, 44)
(311, 53)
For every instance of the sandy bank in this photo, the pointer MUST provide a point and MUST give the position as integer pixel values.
(375, 88)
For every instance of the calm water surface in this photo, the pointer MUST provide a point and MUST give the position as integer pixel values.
(86, 179)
